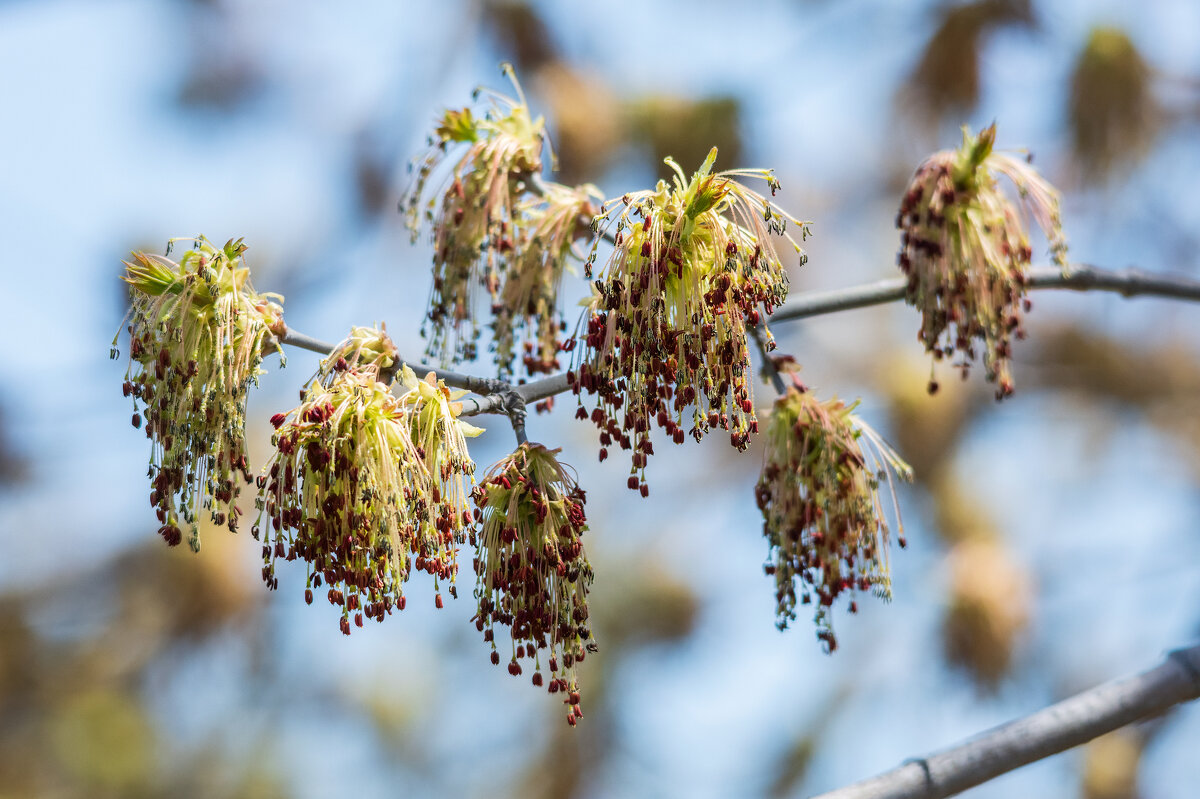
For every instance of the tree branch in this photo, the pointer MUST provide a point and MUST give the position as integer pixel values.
(1059, 727)
(497, 395)
(1129, 282)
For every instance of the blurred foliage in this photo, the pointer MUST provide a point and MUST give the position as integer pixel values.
(584, 118)
(959, 514)
(77, 656)
(791, 768)
(1112, 113)
(1159, 380)
(1111, 764)
(989, 606)
(686, 129)
(223, 74)
(519, 30)
(925, 428)
(946, 79)
(590, 125)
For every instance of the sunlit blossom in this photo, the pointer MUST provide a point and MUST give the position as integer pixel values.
(822, 516)
(198, 332)
(665, 335)
(532, 573)
(365, 486)
(966, 251)
(474, 220)
(528, 307)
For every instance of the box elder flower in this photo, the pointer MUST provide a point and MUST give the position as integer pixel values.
(965, 251)
(532, 573)
(474, 221)
(365, 486)
(819, 496)
(665, 337)
(198, 332)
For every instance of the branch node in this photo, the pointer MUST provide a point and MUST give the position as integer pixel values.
(923, 764)
(1184, 659)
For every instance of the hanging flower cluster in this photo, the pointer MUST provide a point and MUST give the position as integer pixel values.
(528, 302)
(819, 496)
(474, 221)
(965, 251)
(366, 486)
(532, 573)
(666, 331)
(198, 333)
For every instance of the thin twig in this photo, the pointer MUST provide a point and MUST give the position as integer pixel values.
(768, 365)
(1129, 282)
(1047, 732)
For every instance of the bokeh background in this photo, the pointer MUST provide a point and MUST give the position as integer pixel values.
(1053, 538)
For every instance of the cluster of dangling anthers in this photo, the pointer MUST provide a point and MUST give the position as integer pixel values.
(665, 336)
(366, 486)
(965, 252)
(819, 497)
(497, 226)
(197, 336)
(532, 574)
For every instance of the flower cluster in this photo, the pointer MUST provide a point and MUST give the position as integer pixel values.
(529, 299)
(987, 612)
(366, 486)
(532, 573)
(819, 496)
(474, 221)
(366, 349)
(666, 330)
(965, 251)
(198, 332)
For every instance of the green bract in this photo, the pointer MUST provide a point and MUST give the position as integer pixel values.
(198, 332)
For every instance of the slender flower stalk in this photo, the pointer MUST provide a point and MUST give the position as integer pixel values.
(819, 496)
(965, 250)
(666, 330)
(528, 303)
(365, 486)
(532, 573)
(474, 221)
(198, 332)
